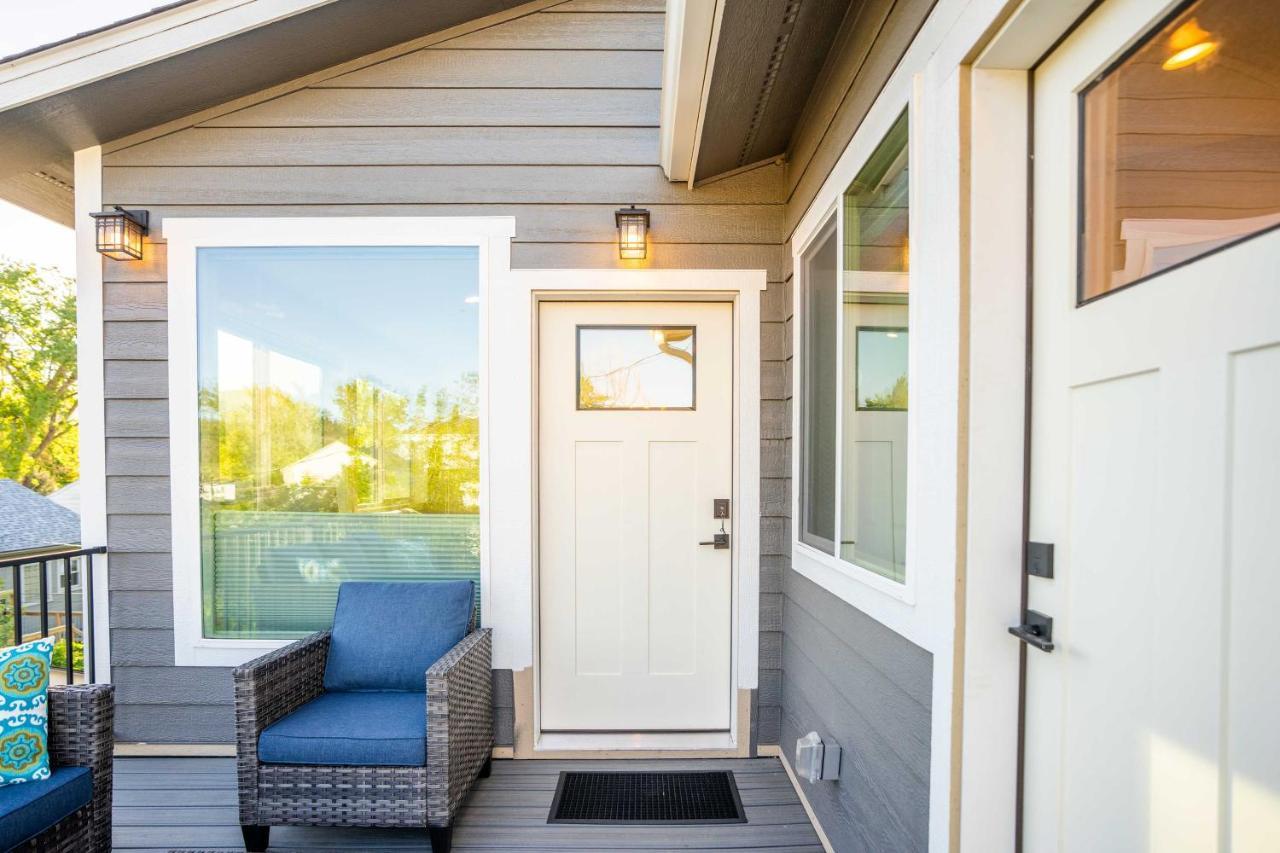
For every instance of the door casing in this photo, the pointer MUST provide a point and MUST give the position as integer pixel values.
(742, 289)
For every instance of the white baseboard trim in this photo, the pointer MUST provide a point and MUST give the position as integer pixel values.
(770, 749)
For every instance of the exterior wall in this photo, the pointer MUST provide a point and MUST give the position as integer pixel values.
(552, 118)
(859, 684)
(845, 675)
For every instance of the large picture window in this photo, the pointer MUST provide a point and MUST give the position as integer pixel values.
(854, 371)
(339, 427)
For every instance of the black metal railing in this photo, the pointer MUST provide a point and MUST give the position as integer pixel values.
(70, 561)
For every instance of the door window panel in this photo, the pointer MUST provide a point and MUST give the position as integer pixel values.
(636, 367)
(339, 427)
(1181, 144)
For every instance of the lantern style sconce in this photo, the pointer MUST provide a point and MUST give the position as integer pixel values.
(633, 231)
(119, 233)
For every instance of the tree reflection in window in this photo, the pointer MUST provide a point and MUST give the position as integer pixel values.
(636, 367)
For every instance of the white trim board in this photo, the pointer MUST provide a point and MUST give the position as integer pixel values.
(514, 449)
(491, 235)
(515, 444)
(148, 39)
(91, 405)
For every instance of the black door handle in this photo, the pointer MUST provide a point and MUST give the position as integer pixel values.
(719, 540)
(1036, 630)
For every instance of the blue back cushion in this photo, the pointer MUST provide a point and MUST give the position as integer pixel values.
(386, 635)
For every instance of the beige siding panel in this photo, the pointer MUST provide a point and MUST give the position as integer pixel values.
(770, 258)
(848, 54)
(568, 31)
(451, 107)
(152, 268)
(137, 419)
(131, 341)
(138, 495)
(425, 185)
(137, 456)
(538, 223)
(395, 146)
(141, 571)
(525, 69)
(816, 153)
(134, 301)
(136, 379)
(610, 6)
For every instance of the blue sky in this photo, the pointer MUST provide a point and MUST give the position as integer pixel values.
(25, 236)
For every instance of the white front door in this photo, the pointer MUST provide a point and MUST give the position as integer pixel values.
(635, 418)
(1155, 442)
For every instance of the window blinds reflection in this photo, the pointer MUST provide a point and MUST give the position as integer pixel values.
(339, 427)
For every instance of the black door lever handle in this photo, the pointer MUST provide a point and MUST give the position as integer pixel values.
(1036, 630)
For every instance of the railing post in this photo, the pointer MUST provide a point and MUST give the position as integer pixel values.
(68, 628)
(17, 604)
(90, 644)
(44, 598)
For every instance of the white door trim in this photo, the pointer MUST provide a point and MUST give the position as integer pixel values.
(513, 443)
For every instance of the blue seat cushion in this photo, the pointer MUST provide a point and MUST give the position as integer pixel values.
(29, 808)
(386, 635)
(362, 729)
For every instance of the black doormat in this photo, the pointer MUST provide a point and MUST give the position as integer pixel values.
(646, 798)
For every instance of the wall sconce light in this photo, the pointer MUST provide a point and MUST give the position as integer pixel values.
(633, 231)
(119, 233)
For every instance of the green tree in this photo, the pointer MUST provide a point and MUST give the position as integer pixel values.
(38, 434)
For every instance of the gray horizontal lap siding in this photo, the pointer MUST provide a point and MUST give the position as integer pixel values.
(844, 675)
(551, 118)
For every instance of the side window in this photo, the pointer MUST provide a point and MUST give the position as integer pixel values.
(1181, 144)
(854, 370)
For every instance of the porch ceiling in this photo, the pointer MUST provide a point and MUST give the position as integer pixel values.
(39, 130)
(767, 59)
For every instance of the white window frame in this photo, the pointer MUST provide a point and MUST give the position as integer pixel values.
(490, 235)
(854, 584)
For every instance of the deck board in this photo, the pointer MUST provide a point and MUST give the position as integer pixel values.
(183, 804)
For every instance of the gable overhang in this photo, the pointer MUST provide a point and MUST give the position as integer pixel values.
(753, 67)
(175, 61)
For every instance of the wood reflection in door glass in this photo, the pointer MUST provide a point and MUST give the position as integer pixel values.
(1181, 144)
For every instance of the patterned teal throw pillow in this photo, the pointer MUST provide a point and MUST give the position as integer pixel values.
(24, 719)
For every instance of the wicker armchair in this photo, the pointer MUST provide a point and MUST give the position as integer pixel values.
(81, 721)
(459, 741)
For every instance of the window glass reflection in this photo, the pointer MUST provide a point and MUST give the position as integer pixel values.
(339, 427)
(1182, 144)
(636, 367)
(875, 284)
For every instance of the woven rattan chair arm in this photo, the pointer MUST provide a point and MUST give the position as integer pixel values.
(278, 683)
(459, 723)
(268, 689)
(81, 734)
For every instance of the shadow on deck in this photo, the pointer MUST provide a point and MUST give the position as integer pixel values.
(184, 804)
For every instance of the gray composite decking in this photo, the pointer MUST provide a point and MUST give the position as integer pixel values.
(168, 804)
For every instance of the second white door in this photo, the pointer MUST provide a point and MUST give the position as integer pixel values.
(635, 445)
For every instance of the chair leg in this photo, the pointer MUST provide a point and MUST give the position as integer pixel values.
(441, 838)
(487, 768)
(256, 838)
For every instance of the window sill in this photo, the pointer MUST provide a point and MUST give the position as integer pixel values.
(206, 652)
(852, 584)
